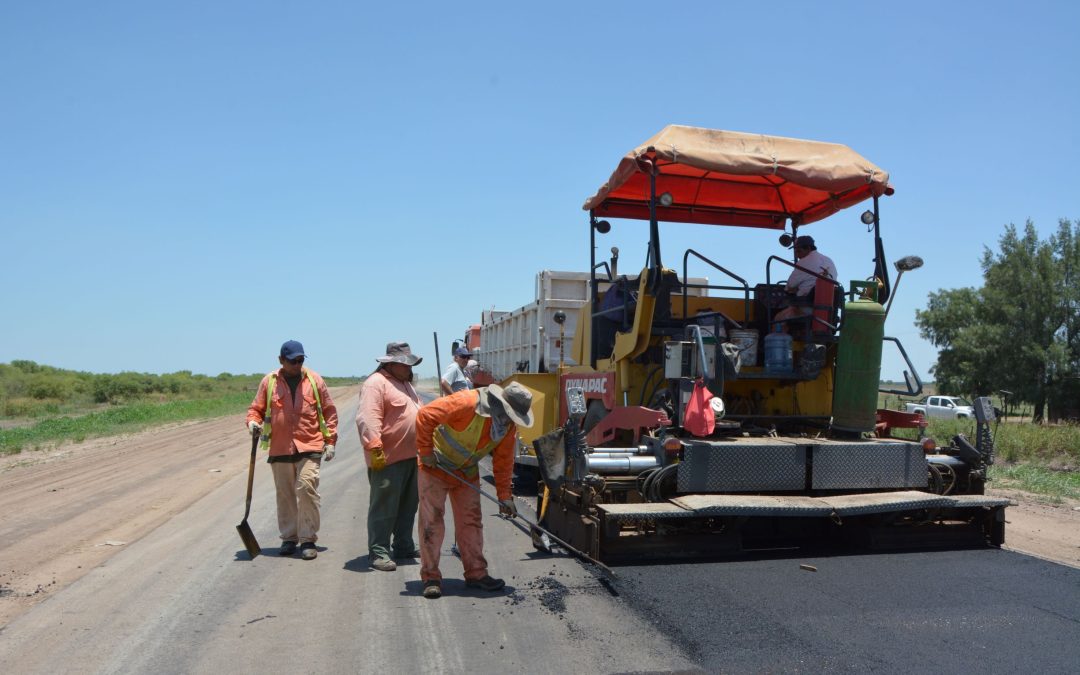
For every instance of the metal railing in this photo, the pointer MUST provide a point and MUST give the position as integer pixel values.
(745, 288)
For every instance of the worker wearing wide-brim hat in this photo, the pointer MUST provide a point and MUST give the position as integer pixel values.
(386, 421)
(453, 433)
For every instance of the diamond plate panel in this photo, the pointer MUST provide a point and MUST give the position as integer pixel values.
(884, 502)
(691, 506)
(866, 466)
(754, 505)
(742, 467)
(644, 512)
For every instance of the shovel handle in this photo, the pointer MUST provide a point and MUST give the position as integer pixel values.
(251, 473)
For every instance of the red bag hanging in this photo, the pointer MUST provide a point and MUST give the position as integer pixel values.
(699, 419)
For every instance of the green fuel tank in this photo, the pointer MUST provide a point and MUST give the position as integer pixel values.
(858, 365)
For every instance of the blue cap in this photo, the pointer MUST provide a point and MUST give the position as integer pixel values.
(292, 349)
(462, 351)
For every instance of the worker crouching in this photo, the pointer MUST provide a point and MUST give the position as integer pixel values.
(452, 434)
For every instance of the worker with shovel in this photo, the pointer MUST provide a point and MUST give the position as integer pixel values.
(386, 420)
(298, 421)
(452, 434)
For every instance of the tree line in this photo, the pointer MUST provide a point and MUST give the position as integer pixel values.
(1019, 332)
(31, 389)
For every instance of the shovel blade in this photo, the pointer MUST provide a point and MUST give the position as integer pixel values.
(248, 537)
(540, 540)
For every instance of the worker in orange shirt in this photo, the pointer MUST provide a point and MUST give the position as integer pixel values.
(294, 412)
(453, 433)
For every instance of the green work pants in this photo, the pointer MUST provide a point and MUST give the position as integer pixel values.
(392, 510)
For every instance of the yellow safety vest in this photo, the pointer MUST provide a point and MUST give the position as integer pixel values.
(264, 439)
(455, 448)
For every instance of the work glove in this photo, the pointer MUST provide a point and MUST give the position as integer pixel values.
(328, 451)
(378, 459)
(255, 428)
(507, 508)
(428, 460)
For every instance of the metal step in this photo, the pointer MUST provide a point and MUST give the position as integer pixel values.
(690, 506)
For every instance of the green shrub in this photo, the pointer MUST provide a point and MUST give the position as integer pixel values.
(41, 388)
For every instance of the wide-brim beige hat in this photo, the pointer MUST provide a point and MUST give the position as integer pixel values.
(399, 352)
(515, 399)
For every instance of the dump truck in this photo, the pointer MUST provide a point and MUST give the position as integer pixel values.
(694, 417)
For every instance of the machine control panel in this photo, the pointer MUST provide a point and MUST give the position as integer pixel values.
(984, 410)
(575, 401)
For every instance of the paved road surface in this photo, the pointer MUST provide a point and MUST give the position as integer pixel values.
(186, 599)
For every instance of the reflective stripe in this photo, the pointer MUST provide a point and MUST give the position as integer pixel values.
(453, 446)
(318, 406)
(264, 439)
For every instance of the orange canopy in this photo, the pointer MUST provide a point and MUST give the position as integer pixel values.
(731, 178)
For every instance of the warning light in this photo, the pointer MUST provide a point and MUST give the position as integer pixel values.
(672, 445)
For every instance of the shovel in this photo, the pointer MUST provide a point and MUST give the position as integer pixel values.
(246, 535)
(547, 537)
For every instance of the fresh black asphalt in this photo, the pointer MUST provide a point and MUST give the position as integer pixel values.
(984, 610)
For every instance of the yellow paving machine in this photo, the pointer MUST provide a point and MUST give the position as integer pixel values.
(688, 417)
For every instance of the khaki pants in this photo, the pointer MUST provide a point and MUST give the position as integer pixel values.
(297, 486)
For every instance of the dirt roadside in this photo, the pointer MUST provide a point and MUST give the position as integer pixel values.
(66, 510)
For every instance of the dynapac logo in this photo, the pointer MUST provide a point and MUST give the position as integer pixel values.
(591, 385)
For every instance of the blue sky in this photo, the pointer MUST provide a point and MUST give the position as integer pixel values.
(185, 186)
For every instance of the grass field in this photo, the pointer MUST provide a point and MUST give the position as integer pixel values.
(119, 419)
(1054, 485)
(42, 406)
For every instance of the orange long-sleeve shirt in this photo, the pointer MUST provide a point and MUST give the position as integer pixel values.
(457, 411)
(294, 425)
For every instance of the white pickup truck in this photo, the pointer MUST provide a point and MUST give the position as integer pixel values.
(948, 407)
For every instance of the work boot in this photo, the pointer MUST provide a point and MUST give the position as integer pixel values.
(287, 548)
(409, 555)
(486, 583)
(307, 550)
(432, 589)
(384, 564)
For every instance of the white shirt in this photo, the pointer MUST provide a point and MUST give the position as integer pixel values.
(802, 282)
(456, 378)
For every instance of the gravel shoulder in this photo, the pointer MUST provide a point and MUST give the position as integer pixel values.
(67, 510)
(1037, 527)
